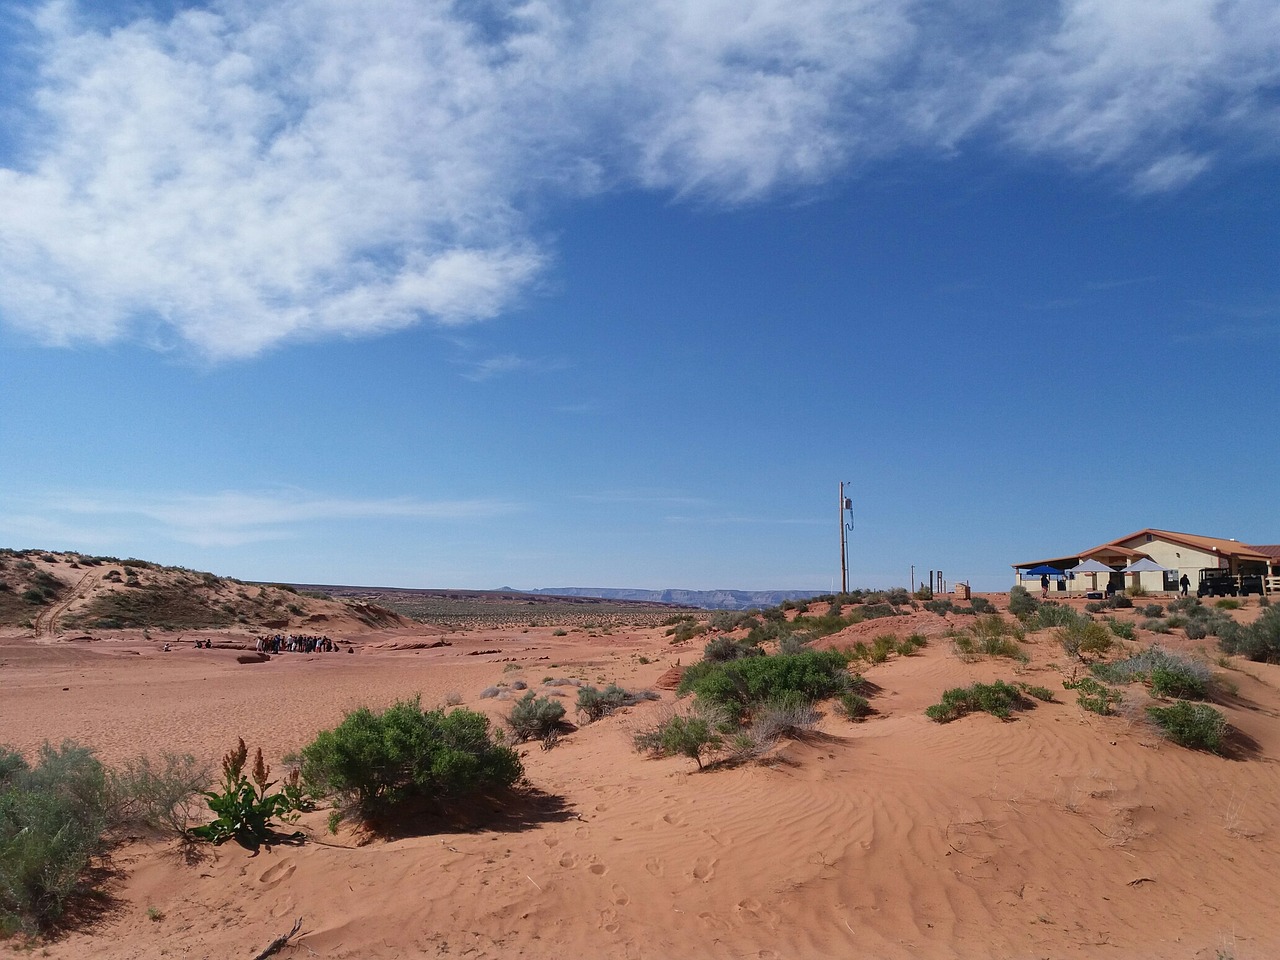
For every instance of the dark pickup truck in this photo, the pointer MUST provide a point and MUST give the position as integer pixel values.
(1215, 582)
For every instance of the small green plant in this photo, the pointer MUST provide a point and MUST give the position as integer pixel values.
(535, 718)
(1084, 638)
(736, 687)
(1227, 603)
(1196, 726)
(155, 914)
(1092, 695)
(691, 736)
(854, 706)
(1040, 693)
(596, 704)
(999, 699)
(1121, 628)
(1021, 604)
(245, 805)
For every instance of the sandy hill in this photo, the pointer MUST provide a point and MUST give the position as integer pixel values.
(57, 594)
(1058, 833)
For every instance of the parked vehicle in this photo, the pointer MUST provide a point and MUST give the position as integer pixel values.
(1216, 582)
(1250, 583)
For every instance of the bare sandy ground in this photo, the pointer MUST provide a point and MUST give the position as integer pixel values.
(1059, 834)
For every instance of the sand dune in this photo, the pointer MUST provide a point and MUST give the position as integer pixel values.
(1058, 834)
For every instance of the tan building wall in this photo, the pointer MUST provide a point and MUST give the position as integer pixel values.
(1186, 560)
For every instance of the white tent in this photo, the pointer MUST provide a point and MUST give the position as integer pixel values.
(1093, 568)
(1145, 565)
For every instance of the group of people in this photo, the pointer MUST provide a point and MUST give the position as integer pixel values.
(295, 643)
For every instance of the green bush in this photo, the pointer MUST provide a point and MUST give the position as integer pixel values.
(690, 736)
(52, 818)
(1092, 695)
(854, 706)
(982, 605)
(737, 686)
(1152, 610)
(1170, 674)
(596, 704)
(245, 805)
(1051, 614)
(1121, 628)
(535, 718)
(1084, 638)
(1021, 604)
(724, 649)
(163, 795)
(382, 763)
(1197, 726)
(1260, 640)
(999, 699)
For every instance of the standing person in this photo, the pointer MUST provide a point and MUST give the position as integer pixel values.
(1185, 584)
(1044, 586)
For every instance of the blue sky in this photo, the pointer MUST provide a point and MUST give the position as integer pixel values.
(552, 294)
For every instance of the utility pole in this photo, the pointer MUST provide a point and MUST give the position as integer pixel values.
(845, 504)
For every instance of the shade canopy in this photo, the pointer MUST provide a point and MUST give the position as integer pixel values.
(1092, 566)
(1044, 568)
(1144, 565)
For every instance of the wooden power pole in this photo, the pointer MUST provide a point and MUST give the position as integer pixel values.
(845, 504)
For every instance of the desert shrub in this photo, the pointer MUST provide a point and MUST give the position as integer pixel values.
(1152, 610)
(52, 818)
(1228, 603)
(1121, 628)
(1122, 602)
(1155, 626)
(881, 647)
(910, 644)
(982, 605)
(1040, 693)
(1170, 674)
(1051, 614)
(1137, 590)
(691, 736)
(794, 642)
(724, 649)
(596, 704)
(381, 763)
(940, 607)
(989, 635)
(1021, 604)
(1094, 607)
(854, 706)
(727, 620)
(924, 593)
(1196, 629)
(686, 631)
(1084, 638)
(245, 805)
(1093, 696)
(1260, 640)
(163, 795)
(736, 687)
(1197, 726)
(999, 699)
(785, 718)
(535, 718)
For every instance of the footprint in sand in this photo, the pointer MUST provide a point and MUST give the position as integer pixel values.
(655, 867)
(599, 869)
(609, 921)
(582, 833)
(757, 910)
(277, 874)
(675, 819)
(704, 869)
(620, 896)
(568, 860)
(551, 841)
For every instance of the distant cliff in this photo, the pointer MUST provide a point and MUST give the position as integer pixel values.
(704, 599)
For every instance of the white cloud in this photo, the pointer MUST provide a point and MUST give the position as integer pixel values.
(247, 174)
(227, 519)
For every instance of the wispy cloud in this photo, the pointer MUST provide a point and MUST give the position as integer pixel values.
(241, 175)
(223, 519)
(491, 367)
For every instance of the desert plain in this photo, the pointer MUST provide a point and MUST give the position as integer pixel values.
(1058, 833)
